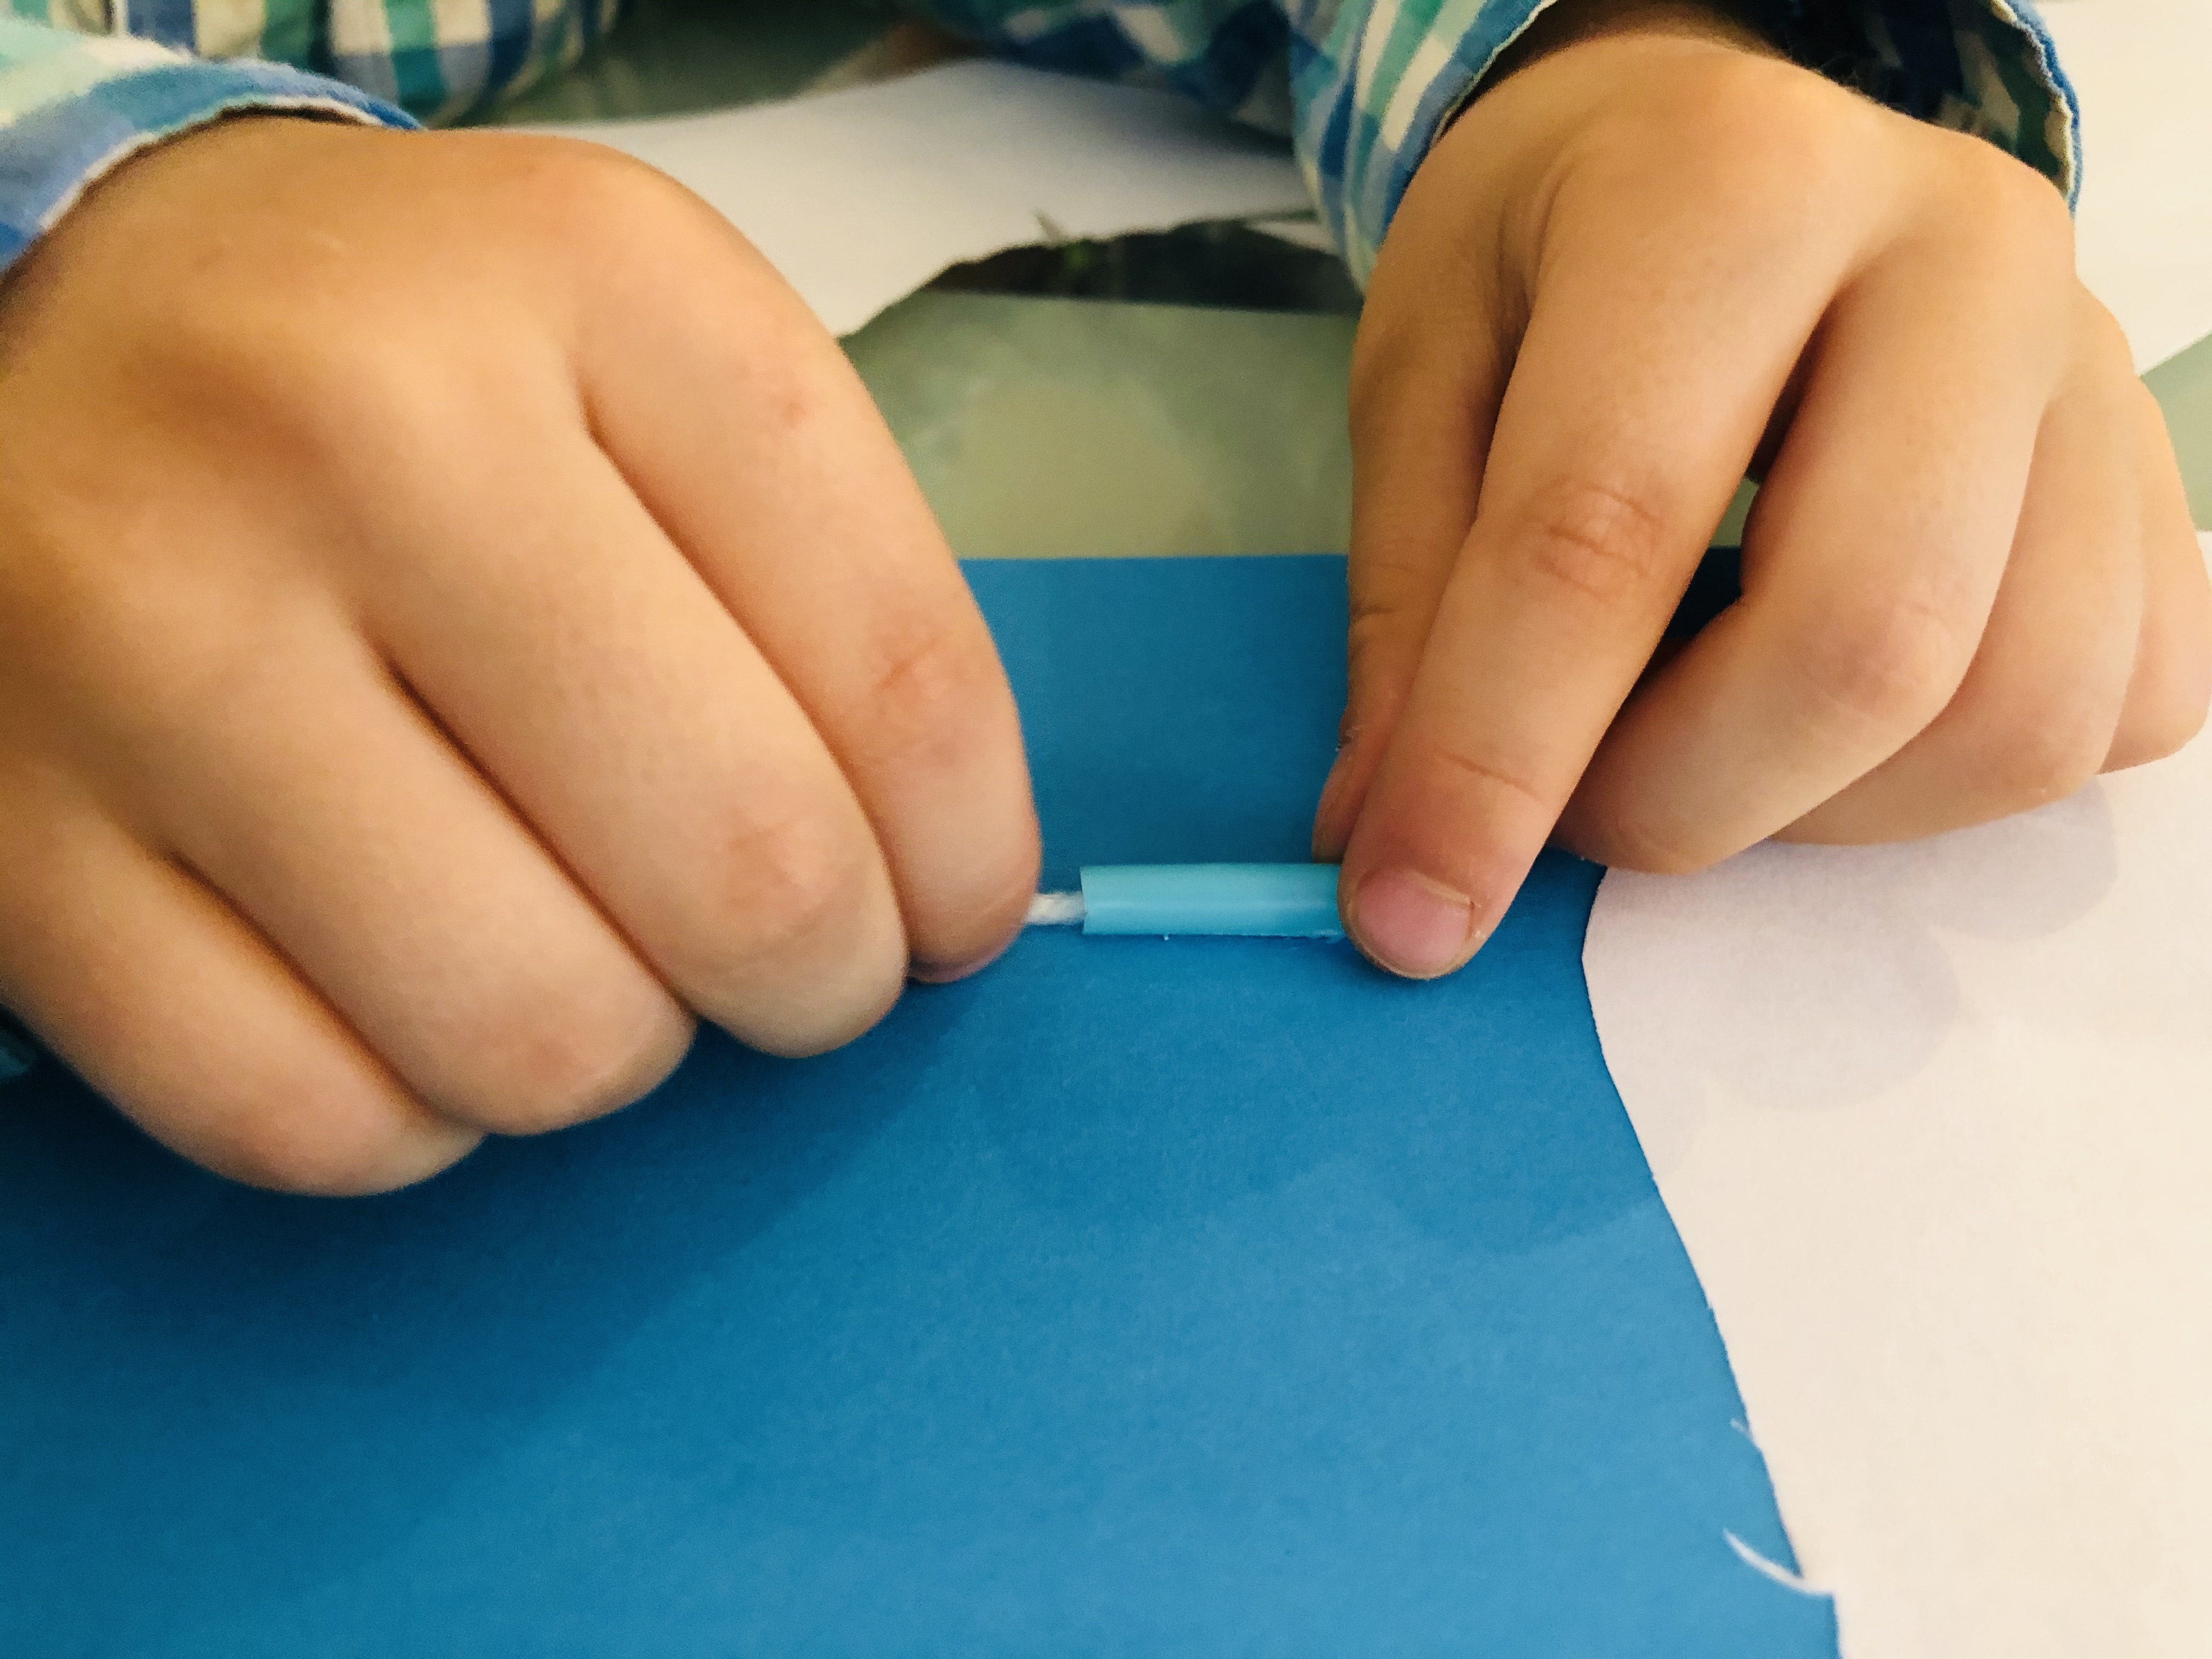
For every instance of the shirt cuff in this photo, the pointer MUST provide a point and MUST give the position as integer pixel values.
(1373, 97)
(110, 98)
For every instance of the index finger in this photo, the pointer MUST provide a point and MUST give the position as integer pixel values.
(1644, 383)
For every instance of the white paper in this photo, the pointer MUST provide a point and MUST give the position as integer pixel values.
(859, 198)
(2144, 226)
(1935, 1123)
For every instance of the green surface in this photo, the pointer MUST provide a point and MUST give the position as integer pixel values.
(2182, 387)
(1042, 428)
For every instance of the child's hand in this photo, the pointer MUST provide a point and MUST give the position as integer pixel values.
(459, 614)
(1645, 260)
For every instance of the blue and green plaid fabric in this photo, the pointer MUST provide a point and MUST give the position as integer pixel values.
(1361, 87)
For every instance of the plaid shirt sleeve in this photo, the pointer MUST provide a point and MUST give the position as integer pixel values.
(84, 84)
(1363, 87)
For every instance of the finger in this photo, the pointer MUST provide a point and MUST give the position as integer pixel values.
(583, 665)
(2172, 680)
(1871, 562)
(1619, 444)
(307, 789)
(161, 998)
(2035, 716)
(749, 437)
(1424, 403)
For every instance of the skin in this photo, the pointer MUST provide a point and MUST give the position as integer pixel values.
(462, 621)
(427, 683)
(1653, 256)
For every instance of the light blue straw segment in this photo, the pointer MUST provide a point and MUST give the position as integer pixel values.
(1278, 901)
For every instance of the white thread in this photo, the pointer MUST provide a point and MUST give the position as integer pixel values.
(1056, 910)
(1781, 1574)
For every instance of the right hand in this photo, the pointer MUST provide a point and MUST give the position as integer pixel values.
(459, 616)
(1653, 257)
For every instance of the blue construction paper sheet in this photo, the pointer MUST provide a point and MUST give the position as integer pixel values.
(1217, 1297)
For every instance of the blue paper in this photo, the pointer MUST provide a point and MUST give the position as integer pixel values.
(1218, 1296)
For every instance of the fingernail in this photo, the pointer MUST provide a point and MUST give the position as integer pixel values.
(947, 973)
(1411, 925)
(925, 970)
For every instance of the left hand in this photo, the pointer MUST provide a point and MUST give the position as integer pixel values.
(1655, 256)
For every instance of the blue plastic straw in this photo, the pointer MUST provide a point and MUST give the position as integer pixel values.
(1280, 900)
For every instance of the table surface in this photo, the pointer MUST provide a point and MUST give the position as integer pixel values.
(1039, 426)
(1042, 426)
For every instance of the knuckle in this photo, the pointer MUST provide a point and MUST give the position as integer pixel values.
(1889, 671)
(1372, 632)
(1493, 778)
(1777, 131)
(2105, 345)
(1380, 656)
(2032, 203)
(1389, 626)
(551, 1058)
(621, 222)
(932, 689)
(1375, 621)
(1602, 544)
(749, 333)
(579, 193)
(1743, 128)
(2002, 205)
(1620, 837)
(786, 389)
(1390, 595)
(2048, 756)
(784, 887)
